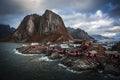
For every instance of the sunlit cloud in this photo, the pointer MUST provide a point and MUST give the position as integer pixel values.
(114, 29)
(92, 23)
(108, 34)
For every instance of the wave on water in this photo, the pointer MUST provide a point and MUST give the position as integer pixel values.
(74, 71)
(68, 69)
(62, 65)
(113, 76)
(17, 52)
(100, 71)
(45, 58)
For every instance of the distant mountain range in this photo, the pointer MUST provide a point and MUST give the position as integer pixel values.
(5, 30)
(100, 37)
(78, 33)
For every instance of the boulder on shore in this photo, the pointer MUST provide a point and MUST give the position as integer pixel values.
(79, 64)
(84, 64)
(54, 55)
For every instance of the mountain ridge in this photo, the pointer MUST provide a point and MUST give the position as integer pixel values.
(78, 33)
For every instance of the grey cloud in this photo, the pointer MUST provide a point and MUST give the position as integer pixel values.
(115, 11)
(9, 7)
(77, 5)
(96, 23)
(14, 6)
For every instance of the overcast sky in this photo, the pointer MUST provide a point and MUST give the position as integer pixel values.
(94, 16)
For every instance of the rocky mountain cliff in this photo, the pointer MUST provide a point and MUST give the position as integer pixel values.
(78, 33)
(116, 47)
(35, 28)
(5, 30)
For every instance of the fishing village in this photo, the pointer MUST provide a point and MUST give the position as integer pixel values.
(77, 55)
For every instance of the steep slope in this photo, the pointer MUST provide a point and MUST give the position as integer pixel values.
(116, 47)
(78, 33)
(35, 28)
(27, 28)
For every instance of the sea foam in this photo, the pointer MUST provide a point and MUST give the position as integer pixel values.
(17, 52)
(45, 58)
(62, 65)
(70, 70)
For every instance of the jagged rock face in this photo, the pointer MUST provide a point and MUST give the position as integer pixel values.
(48, 27)
(116, 47)
(26, 29)
(78, 33)
(51, 22)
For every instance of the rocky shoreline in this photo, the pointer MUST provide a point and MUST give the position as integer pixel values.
(76, 62)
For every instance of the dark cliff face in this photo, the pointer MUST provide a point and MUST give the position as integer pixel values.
(35, 28)
(51, 22)
(78, 33)
(5, 30)
(26, 29)
(116, 47)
